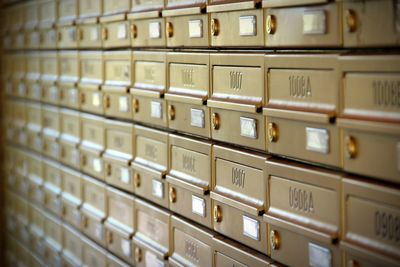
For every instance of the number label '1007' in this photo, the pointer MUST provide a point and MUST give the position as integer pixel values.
(235, 81)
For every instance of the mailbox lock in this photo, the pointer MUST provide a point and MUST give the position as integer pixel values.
(274, 239)
(106, 101)
(104, 34)
(138, 254)
(133, 31)
(81, 34)
(62, 152)
(172, 194)
(83, 160)
(135, 105)
(351, 20)
(108, 169)
(63, 210)
(351, 147)
(83, 98)
(109, 237)
(215, 121)
(169, 29)
(85, 222)
(272, 132)
(217, 214)
(214, 27)
(171, 112)
(136, 179)
(270, 24)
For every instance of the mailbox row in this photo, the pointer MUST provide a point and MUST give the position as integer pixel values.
(295, 213)
(336, 110)
(37, 237)
(190, 23)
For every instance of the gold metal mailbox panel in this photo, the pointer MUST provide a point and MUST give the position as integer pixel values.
(370, 212)
(310, 26)
(237, 97)
(370, 116)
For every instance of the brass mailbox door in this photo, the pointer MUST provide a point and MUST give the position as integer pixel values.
(33, 89)
(71, 196)
(238, 201)
(36, 178)
(19, 75)
(192, 245)
(186, 23)
(93, 254)
(91, 8)
(190, 179)
(89, 33)
(70, 137)
(149, 86)
(50, 71)
(48, 38)
(236, 24)
(36, 230)
(301, 250)
(117, 102)
(145, 5)
(92, 76)
(67, 36)
(119, 154)
(69, 76)
(237, 97)
(22, 219)
(150, 164)
(92, 145)
(188, 91)
(53, 239)
(91, 65)
(31, 11)
(147, 29)
(94, 209)
(120, 223)
(52, 186)
(115, 31)
(34, 126)
(32, 39)
(48, 15)
(51, 131)
(370, 118)
(118, 76)
(118, 6)
(371, 212)
(304, 210)
(72, 246)
(303, 102)
(194, 33)
(363, 21)
(312, 26)
(152, 224)
(229, 253)
(68, 10)
(117, 68)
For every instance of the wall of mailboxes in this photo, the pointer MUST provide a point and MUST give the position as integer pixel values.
(158, 156)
